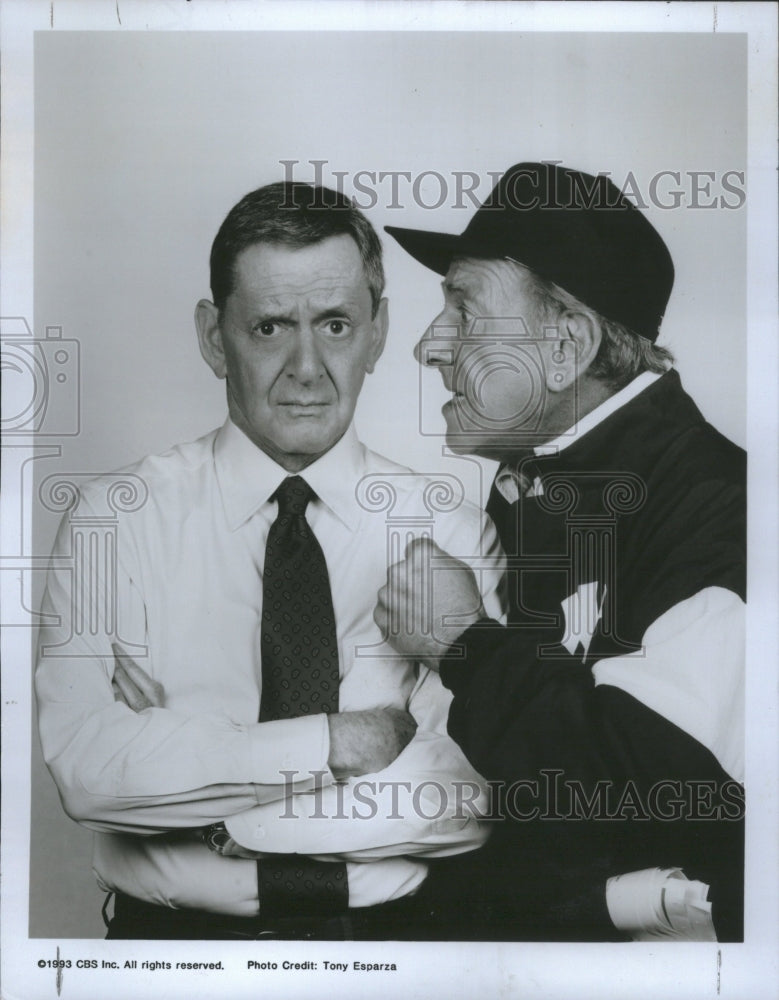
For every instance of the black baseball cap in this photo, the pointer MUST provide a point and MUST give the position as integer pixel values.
(575, 229)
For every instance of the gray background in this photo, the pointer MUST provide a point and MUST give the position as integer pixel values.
(144, 141)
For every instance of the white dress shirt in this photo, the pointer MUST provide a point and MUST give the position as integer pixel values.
(187, 604)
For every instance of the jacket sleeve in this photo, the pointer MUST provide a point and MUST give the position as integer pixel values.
(680, 593)
(640, 716)
(633, 764)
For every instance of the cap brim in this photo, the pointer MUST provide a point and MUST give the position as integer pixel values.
(434, 250)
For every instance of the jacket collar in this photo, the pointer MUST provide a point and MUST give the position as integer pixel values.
(629, 431)
(591, 420)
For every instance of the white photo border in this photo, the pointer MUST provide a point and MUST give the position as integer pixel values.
(423, 970)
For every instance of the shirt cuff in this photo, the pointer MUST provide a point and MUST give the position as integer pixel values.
(471, 649)
(290, 751)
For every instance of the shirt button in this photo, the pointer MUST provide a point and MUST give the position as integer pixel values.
(259, 832)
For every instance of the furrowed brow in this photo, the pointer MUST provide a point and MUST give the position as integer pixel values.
(271, 316)
(337, 311)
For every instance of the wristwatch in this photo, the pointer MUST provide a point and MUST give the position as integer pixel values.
(215, 837)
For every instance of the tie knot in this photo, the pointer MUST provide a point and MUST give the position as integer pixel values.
(513, 481)
(293, 495)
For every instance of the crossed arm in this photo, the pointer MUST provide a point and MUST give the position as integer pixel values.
(126, 762)
(413, 796)
(360, 742)
(158, 768)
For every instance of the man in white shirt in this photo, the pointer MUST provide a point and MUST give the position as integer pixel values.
(610, 707)
(150, 688)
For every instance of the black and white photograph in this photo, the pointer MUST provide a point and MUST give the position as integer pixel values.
(389, 499)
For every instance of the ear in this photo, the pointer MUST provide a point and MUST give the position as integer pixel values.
(574, 352)
(380, 325)
(209, 337)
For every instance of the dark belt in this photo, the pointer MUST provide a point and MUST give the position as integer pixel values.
(135, 919)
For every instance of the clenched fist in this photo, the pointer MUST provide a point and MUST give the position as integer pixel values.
(429, 600)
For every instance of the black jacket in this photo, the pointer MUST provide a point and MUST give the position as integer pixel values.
(648, 508)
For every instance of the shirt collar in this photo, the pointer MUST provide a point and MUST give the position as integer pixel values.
(599, 414)
(248, 478)
(512, 485)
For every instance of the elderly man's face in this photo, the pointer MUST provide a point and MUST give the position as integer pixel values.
(494, 356)
(295, 342)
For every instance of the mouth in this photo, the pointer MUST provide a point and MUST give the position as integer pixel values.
(303, 403)
(304, 408)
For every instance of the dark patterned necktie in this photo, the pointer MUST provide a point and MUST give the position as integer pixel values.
(299, 677)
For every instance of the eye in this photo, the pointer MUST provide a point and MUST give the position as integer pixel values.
(266, 328)
(337, 327)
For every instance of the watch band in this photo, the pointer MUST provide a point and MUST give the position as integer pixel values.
(215, 837)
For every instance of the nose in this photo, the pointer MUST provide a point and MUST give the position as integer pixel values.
(304, 362)
(436, 347)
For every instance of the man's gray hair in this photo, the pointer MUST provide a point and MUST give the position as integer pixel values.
(622, 354)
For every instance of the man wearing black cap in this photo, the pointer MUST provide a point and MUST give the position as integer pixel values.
(608, 712)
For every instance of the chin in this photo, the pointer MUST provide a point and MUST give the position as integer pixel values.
(461, 444)
(309, 446)
(314, 441)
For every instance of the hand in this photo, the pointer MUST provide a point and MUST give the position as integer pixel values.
(367, 742)
(132, 685)
(429, 600)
